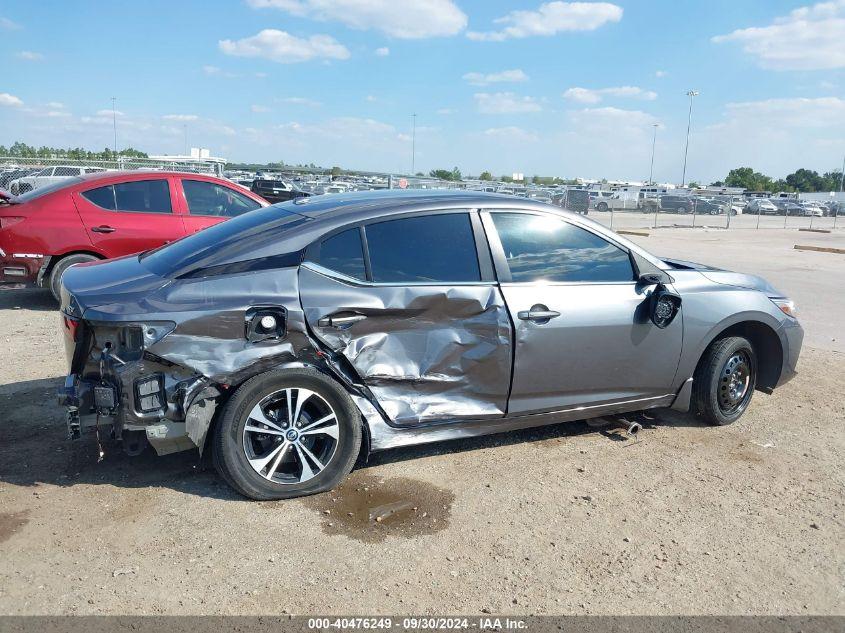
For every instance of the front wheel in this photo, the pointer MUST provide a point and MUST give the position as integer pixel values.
(287, 433)
(724, 380)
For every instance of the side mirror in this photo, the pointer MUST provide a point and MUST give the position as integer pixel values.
(652, 279)
(665, 306)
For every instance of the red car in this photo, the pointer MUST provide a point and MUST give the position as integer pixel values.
(105, 215)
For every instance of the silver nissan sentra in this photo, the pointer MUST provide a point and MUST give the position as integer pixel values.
(291, 338)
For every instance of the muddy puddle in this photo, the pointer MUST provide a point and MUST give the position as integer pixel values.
(11, 523)
(369, 508)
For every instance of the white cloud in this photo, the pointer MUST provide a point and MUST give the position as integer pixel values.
(57, 114)
(506, 76)
(775, 136)
(383, 51)
(511, 133)
(184, 118)
(551, 18)
(259, 108)
(370, 99)
(56, 105)
(588, 95)
(660, 74)
(505, 103)
(284, 48)
(445, 111)
(109, 113)
(409, 19)
(9, 100)
(303, 101)
(9, 25)
(809, 38)
(29, 56)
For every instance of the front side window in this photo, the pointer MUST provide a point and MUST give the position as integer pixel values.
(344, 253)
(208, 198)
(546, 248)
(434, 248)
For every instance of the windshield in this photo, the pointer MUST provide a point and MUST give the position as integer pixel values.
(234, 240)
(43, 191)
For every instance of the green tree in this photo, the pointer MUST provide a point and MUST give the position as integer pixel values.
(805, 180)
(336, 171)
(445, 174)
(486, 175)
(749, 179)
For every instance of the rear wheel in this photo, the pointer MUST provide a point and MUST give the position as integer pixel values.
(61, 266)
(287, 433)
(601, 206)
(724, 380)
(682, 209)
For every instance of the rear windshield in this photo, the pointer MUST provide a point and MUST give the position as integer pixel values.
(234, 240)
(43, 191)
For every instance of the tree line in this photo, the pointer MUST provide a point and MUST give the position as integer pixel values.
(801, 180)
(22, 150)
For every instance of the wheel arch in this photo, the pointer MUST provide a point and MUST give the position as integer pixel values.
(764, 340)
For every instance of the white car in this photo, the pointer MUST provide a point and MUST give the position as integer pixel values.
(49, 176)
(763, 206)
(812, 209)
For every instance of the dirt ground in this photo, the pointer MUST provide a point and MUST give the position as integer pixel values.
(686, 519)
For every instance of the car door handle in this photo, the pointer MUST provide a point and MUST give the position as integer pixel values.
(538, 314)
(103, 229)
(341, 321)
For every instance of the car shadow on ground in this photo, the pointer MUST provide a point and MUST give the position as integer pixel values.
(28, 298)
(34, 447)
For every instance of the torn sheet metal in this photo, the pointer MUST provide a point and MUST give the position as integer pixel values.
(427, 352)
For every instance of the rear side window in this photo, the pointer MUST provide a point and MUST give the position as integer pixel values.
(434, 248)
(344, 253)
(208, 198)
(103, 197)
(545, 248)
(137, 196)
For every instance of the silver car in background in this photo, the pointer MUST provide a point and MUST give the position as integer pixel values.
(293, 338)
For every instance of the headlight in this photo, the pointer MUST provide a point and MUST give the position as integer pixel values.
(787, 306)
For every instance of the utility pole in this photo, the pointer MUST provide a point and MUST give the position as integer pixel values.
(114, 123)
(653, 142)
(413, 143)
(691, 94)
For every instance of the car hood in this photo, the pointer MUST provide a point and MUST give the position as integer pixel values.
(727, 277)
(123, 280)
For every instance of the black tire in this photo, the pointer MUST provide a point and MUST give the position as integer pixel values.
(61, 266)
(230, 447)
(724, 380)
(682, 209)
(601, 206)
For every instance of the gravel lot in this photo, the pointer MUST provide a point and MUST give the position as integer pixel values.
(746, 519)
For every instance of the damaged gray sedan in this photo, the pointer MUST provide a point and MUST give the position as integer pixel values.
(291, 339)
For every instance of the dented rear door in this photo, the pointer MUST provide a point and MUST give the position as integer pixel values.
(415, 311)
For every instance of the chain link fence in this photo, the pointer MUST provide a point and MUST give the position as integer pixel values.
(21, 174)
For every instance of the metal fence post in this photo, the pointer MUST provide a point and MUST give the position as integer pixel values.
(611, 218)
(758, 215)
(729, 211)
(694, 208)
(656, 208)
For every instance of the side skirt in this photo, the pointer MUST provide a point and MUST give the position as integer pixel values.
(383, 436)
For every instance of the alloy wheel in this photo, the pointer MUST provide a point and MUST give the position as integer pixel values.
(291, 436)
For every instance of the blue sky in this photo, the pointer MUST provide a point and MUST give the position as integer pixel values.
(554, 88)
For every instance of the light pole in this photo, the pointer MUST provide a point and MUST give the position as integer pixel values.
(114, 123)
(413, 142)
(691, 94)
(653, 142)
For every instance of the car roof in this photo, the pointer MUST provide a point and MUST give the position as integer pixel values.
(356, 205)
(123, 173)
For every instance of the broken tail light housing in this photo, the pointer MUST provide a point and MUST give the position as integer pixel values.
(71, 327)
(149, 393)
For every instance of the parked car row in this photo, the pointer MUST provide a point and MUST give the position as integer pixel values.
(48, 176)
